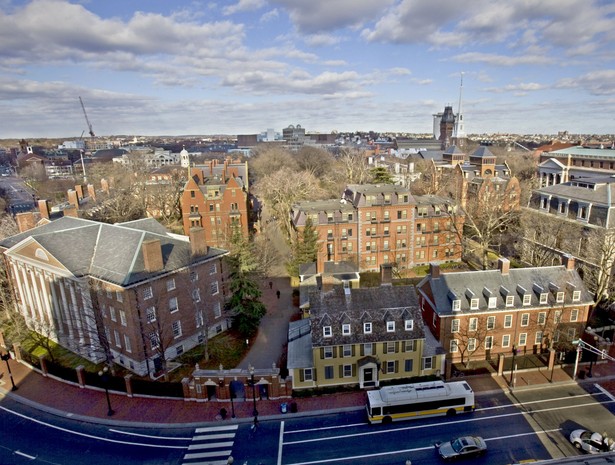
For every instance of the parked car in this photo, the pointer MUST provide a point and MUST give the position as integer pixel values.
(592, 443)
(466, 446)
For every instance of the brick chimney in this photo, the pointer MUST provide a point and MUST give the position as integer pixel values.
(104, 185)
(504, 265)
(25, 221)
(79, 190)
(43, 208)
(568, 261)
(71, 210)
(198, 244)
(92, 192)
(152, 255)
(434, 270)
(73, 198)
(386, 274)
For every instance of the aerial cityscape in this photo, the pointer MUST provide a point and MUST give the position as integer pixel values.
(350, 232)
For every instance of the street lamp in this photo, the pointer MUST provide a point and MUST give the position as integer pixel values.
(593, 356)
(512, 368)
(230, 387)
(6, 358)
(104, 376)
(254, 412)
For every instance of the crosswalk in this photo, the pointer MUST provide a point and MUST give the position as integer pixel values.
(211, 446)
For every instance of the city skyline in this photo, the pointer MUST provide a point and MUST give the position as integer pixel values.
(190, 67)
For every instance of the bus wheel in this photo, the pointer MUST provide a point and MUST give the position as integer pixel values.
(451, 412)
(387, 420)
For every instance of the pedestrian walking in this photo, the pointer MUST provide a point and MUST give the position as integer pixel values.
(277, 293)
(270, 284)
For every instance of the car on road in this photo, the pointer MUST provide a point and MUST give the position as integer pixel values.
(592, 443)
(465, 446)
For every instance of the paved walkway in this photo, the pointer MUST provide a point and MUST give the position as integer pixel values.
(90, 405)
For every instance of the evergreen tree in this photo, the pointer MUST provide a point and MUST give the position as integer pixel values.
(381, 175)
(305, 250)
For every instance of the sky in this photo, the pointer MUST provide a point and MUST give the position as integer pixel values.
(182, 67)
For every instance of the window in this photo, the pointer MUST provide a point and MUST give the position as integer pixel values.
(213, 269)
(368, 349)
(408, 365)
(576, 296)
(455, 326)
(525, 319)
(329, 372)
(196, 295)
(346, 329)
(542, 318)
(347, 350)
(347, 371)
(150, 314)
(198, 318)
(544, 298)
(328, 352)
(489, 343)
(408, 325)
(490, 322)
(410, 346)
(367, 328)
(510, 300)
(170, 284)
(560, 297)
(390, 366)
(574, 315)
(493, 302)
(123, 317)
(127, 344)
(557, 317)
(179, 350)
(118, 341)
(508, 321)
(473, 324)
(389, 347)
(472, 344)
(194, 276)
(572, 333)
(456, 305)
(177, 329)
(527, 299)
(148, 293)
(120, 297)
(308, 374)
(454, 347)
(390, 326)
(538, 338)
(109, 294)
(474, 304)
(522, 339)
(326, 331)
(217, 310)
(154, 340)
(506, 340)
(112, 313)
(213, 288)
(427, 363)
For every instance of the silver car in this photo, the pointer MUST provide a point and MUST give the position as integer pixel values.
(592, 443)
(466, 446)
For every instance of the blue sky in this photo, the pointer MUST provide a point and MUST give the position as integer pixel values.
(159, 67)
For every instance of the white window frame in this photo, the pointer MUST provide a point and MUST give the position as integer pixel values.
(119, 296)
(473, 324)
(170, 284)
(148, 293)
(527, 299)
(456, 305)
(455, 324)
(123, 318)
(347, 350)
(493, 302)
(522, 339)
(327, 352)
(112, 313)
(368, 348)
(490, 322)
(367, 328)
(196, 295)
(217, 309)
(574, 315)
(308, 374)
(560, 297)
(177, 329)
(150, 314)
(471, 344)
(127, 344)
(525, 319)
(544, 298)
(510, 300)
(213, 269)
(542, 318)
(347, 371)
(118, 340)
(173, 305)
(508, 319)
(576, 296)
(505, 340)
(427, 363)
(390, 326)
(473, 304)
(454, 346)
(326, 331)
(346, 329)
(409, 325)
(538, 338)
(489, 343)
(214, 288)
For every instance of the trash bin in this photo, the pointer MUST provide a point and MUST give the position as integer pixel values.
(293, 407)
(283, 407)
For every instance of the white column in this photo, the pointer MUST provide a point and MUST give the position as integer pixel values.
(28, 294)
(55, 305)
(66, 308)
(45, 300)
(24, 307)
(76, 314)
(37, 298)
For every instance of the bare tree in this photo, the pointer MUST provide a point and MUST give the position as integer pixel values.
(354, 165)
(471, 337)
(269, 159)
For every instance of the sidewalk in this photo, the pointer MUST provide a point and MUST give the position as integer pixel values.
(90, 405)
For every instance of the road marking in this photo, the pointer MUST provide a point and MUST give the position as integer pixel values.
(520, 404)
(280, 442)
(416, 449)
(211, 445)
(150, 436)
(31, 457)
(468, 420)
(91, 436)
(605, 392)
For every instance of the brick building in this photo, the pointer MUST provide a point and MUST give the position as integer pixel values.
(128, 293)
(381, 224)
(216, 198)
(479, 315)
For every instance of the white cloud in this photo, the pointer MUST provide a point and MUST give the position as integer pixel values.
(270, 16)
(242, 6)
(322, 40)
(596, 83)
(504, 60)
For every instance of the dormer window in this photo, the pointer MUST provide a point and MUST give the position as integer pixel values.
(346, 329)
(474, 304)
(408, 325)
(326, 331)
(493, 302)
(510, 300)
(544, 298)
(576, 296)
(390, 326)
(527, 299)
(559, 297)
(367, 328)
(456, 306)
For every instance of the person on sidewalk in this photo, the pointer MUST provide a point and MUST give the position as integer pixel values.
(277, 293)
(270, 284)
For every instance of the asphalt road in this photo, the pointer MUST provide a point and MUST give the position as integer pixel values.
(20, 198)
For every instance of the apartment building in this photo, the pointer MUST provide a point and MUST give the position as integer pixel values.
(570, 163)
(129, 293)
(361, 336)
(375, 224)
(480, 315)
(216, 198)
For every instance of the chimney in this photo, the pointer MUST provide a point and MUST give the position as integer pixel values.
(73, 198)
(434, 270)
(198, 244)
(43, 208)
(568, 262)
(92, 192)
(386, 274)
(152, 255)
(25, 221)
(71, 210)
(79, 190)
(104, 185)
(504, 266)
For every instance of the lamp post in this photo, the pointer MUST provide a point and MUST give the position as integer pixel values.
(512, 368)
(6, 358)
(230, 387)
(254, 412)
(593, 356)
(104, 376)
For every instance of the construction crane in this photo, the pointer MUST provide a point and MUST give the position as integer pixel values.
(86, 119)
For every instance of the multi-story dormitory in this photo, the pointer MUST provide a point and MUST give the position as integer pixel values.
(375, 224)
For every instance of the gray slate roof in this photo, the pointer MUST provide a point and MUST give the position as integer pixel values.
(110, 252)
(603, 193)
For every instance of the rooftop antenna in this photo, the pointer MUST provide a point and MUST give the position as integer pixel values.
(458, 131)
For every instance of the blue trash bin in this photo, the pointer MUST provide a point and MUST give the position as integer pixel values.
(284, 407)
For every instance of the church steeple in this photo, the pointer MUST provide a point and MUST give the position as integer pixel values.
(459, 134)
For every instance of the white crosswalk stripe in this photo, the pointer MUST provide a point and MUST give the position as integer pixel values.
(211, 446)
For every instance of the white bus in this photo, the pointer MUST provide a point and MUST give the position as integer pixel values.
(408, 401)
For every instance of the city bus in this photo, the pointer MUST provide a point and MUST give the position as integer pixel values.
(408, 401)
